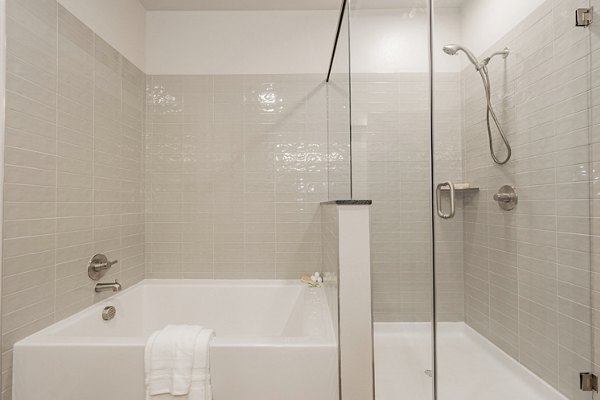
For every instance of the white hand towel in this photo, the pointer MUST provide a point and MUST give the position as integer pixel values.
(170, 358)
(148, 373)
(200, 388)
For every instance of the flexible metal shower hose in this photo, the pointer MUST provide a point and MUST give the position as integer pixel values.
(490, 111)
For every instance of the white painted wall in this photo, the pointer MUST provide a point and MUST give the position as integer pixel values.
(239, 42)
(257, 42)
(122, 23)
(278, 42)
(395, 40)
(484, 22)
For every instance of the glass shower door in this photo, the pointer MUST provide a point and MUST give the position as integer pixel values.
(391, 165)
(594, 31)
(513, 225)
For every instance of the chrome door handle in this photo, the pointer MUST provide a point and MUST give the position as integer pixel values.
(438, 195)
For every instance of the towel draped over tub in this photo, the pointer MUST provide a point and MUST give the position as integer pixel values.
(176, 362)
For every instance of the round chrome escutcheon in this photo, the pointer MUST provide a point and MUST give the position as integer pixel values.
(108, 313)
(507, 197)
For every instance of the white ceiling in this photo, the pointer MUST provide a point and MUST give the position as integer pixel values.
(207, 5)
(392, 4)
(214, 5)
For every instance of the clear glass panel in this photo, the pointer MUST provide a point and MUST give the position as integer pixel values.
(595, 182)
(513, 286)
(338, 113)
(391, 166)
(338, 157)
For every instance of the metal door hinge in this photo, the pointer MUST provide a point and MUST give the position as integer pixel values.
(584, 16)
(588, 382)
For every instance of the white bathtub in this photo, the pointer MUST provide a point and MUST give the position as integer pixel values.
(274, 341)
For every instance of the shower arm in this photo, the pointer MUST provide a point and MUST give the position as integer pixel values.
(504, 53)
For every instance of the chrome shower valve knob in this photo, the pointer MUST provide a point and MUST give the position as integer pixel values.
(98, 266)
(506, 198)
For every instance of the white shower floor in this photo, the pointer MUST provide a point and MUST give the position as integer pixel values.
(470, 367)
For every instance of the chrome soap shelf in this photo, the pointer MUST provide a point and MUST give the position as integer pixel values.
(461, 187)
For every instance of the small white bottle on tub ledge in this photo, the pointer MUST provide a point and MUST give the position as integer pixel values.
(313, 281)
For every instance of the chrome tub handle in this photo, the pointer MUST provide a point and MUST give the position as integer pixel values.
(104, 265)
(438, 195)
(98, 266)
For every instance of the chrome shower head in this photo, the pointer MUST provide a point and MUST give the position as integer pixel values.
(452, 49)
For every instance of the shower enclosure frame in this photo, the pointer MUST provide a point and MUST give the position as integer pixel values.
(433, 201)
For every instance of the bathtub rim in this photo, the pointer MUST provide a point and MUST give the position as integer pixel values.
(46, 337)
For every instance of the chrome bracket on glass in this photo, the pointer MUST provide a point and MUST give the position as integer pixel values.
(98, 266)
(588, 382)
(584, 16)
(438, 196)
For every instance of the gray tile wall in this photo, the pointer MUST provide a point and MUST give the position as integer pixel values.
(74, 175)
(338, 137)
(236, 169)
(392, 166)
(527, 272)
(448, 166)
